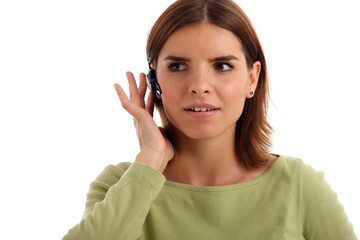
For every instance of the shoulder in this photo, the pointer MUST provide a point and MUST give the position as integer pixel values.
(110, 175)
(296, 167)
(289, 168)
(301, 176)
(311, 182)
(321, 215)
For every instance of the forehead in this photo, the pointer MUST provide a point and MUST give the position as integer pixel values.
(202, 38)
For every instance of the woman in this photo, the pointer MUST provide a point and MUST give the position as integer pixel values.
(207, 174)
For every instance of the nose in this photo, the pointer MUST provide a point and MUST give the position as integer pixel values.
(200, 83)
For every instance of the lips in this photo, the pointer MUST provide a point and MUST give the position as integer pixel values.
(201, 107)
(201, 110)
(198, 109)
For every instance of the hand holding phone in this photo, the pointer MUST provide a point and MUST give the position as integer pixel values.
(155, 150)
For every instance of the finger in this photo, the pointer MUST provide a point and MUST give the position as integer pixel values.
(149, 106)
(142, 86)
(122, 95)
(126, 103)
(133, 90)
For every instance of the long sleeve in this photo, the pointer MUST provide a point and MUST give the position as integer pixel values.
(118, 203)
(322, 215)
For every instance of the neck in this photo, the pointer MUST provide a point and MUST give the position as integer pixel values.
(209, 162)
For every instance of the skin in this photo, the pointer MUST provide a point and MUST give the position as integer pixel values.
(200, 65)
(200, 79)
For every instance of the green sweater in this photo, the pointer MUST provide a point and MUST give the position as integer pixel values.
(290, 201)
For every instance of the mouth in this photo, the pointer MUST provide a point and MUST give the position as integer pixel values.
(201, 109)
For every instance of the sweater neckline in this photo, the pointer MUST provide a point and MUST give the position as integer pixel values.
(266, 175)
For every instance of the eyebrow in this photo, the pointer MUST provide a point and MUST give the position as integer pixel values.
(177, 59)
(224, 58)
(217, 59)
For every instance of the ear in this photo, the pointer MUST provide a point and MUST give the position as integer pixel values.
(254, 74)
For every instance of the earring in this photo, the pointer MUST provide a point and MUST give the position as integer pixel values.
(252, 93)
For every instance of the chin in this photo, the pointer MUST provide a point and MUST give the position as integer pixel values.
(203, 132)
(200, 136)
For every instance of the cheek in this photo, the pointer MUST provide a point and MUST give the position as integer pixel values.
(169, 91)
(170, 98)
(167, 88)
(167, 84)
(233, 93)
(172, 89)
(233, 99)
(170, 94)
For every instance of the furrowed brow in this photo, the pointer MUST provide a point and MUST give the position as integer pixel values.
(224, 58)
(177, 59)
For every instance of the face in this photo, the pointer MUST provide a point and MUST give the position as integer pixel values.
(205, 80)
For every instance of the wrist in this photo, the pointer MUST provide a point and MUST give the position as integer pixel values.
(153, 159)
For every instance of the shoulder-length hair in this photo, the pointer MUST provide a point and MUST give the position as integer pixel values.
(253, 130)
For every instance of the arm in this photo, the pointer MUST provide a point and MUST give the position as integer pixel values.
(117, 204)
(322, 215)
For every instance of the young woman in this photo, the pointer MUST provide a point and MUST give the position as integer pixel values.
(207, 173)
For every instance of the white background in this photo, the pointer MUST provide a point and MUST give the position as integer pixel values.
(61, 122)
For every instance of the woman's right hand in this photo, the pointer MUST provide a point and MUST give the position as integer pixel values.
(155, 150)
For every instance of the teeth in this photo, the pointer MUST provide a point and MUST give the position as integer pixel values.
(197, 109)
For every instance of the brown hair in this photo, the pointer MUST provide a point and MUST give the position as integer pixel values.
(252, 129)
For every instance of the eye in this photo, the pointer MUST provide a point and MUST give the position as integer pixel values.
(223, 67)
(176, 67)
